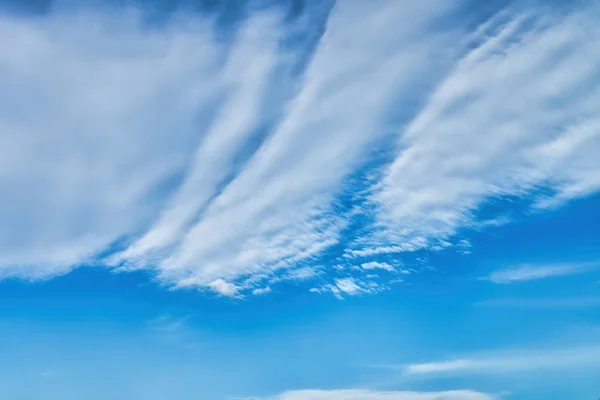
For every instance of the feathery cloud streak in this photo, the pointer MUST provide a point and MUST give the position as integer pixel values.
(377, 395)
(514, 115)
(523, 273)
(277, 211)
(89, 126)
(512, 361)
(217, 165)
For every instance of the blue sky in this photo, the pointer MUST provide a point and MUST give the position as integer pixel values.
(299, 200)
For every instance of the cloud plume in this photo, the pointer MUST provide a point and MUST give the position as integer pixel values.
(227, 160)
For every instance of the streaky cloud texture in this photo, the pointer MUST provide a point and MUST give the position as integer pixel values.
(528, 272)
(276, 212)
(229, 161)
(299, 199)
(375, 395)
(514, 115)
(513, 361)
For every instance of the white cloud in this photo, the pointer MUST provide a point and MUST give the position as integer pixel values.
(99, 113)
(299, 274)
(217, 167)
(220, 286)
(277, 211)
(515, 114)
(377, 265)
(410, 245)
(348, 286)
(511, 361)
(533, 272)
(380, 395)
(251, 64)
(260, 291)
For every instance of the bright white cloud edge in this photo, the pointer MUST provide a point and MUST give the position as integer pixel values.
(276, 212)
(511, 361)
(530, 272)
(381, 395)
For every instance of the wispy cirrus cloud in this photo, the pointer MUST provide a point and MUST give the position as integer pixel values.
(511, 361)
(377, 265)
(299, 168)
(350, 286)
(82, 139)
(513, 115)
(99, 112)
(522, 273)
(103, 116)
(220, 161)
(358, 394)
